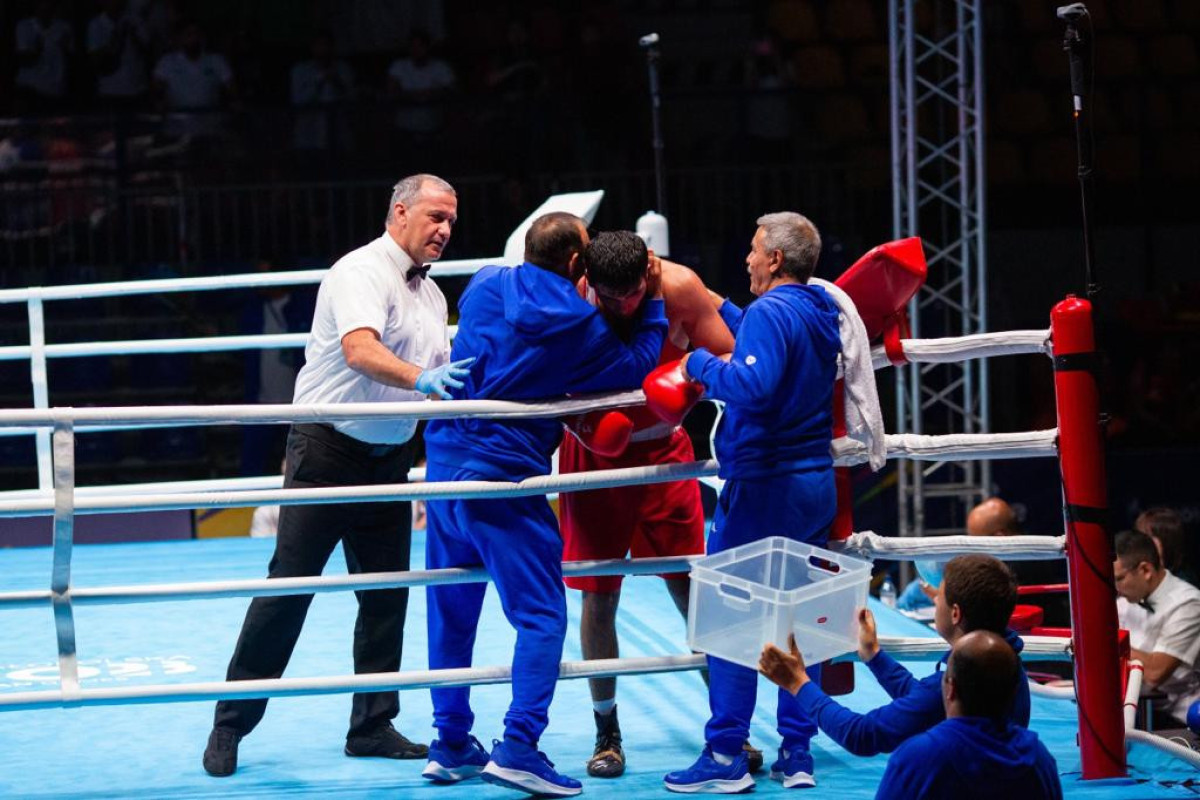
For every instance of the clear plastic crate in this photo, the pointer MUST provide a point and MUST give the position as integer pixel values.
(743, 598)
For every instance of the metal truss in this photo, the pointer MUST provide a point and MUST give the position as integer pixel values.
(937, 104)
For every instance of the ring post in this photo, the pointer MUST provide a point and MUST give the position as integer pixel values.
(1089, 548)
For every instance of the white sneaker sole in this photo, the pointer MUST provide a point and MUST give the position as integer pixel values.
(742, 784)
(800, 780)
(436, 772)
(524, 781)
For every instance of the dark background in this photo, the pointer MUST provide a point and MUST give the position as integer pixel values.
(766, 105)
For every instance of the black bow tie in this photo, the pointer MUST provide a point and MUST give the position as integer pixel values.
(417, 271)
(1146, 604)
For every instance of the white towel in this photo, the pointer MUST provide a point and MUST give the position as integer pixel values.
(864, 420)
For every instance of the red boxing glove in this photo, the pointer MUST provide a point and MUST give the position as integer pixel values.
(606, 433)
(669, 394)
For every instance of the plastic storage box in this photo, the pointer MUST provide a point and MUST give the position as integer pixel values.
(760, 592)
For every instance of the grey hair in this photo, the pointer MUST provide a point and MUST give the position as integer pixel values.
(408, 190)
(796, 237)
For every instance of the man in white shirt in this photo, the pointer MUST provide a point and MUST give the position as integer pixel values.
(420, 80)
(44, 42)
(117, 42)
(378, 335)
(319, 84)
(195, 81)
(1162, 614)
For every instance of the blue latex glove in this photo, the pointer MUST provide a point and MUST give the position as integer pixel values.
(435, 380)
(930, 572)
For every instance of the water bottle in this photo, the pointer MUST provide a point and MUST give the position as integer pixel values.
(887, 592)
(652, 227)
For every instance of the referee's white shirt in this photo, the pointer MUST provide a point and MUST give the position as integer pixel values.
(1173, 628)
(366, 289)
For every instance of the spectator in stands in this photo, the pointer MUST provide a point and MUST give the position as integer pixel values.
(117, 44)
(195, 83)
(1165, 527)
(44, 44)
(1162, 614)
(768, 114)
(421, 82)
(319, 84)
(270, 373)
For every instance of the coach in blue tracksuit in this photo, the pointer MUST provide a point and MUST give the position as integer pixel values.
(977, 751)
(977, 593)
(532, 337)
(773, 445)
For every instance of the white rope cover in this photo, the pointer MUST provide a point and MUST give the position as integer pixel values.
(1007, 548)
(865, 544)
(980, 446)
(90, 418)
(983, 445)
(953, 349)
(1037, 648)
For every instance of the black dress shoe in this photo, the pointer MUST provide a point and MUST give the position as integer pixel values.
(385, 742)
(220, 757)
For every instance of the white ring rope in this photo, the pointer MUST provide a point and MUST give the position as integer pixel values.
(953, 349)
(1039, 443)
(1184, 754)
(866, 544)
(869, 544)
(321, 584)
(1052, 692)
(1037, 648)
(250, 280)
(946, 350)
(1133, 690)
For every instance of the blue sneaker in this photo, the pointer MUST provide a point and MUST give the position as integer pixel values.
(449, 764)
(794, 769)
(708, 776)
(525, 768)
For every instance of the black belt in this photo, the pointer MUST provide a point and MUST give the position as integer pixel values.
(326, 431)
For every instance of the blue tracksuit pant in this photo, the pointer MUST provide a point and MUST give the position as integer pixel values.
(517, 541)
(799, 506)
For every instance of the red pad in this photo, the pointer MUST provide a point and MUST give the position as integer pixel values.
(1025, 618)
(883, 281)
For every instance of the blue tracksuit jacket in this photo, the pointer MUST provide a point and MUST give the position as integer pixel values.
(971, 757)
(916, 706)
(773, 445)
(532, 337)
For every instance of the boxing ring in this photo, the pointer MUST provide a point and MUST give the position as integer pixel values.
(116, 719)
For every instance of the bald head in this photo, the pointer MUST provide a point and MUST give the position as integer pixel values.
(554, 242)
(992, 517)
(981, 677)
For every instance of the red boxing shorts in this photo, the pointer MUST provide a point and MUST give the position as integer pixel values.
(658, 519)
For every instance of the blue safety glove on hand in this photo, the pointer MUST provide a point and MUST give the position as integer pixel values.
(436, 379)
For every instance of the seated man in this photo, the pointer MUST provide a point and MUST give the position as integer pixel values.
(1162, 614)
(992, 517)
(977, 751)
(1165, 527)
(978, 593)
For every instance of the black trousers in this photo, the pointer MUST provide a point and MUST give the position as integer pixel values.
(376, 537)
